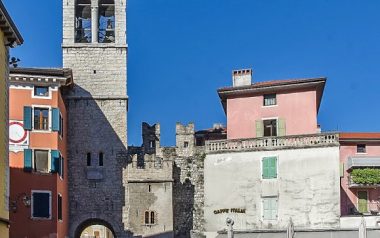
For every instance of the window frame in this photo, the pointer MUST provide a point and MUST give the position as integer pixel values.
(149, 218)
(270, 119)
(61, 127)
(34, 160)
(32, 205)
(262, 167)
(276, 198)
(61, 168)
(87, 31)
(270, 105)
(363, 146)
(49, 96)
(49, 108)
(59, 211)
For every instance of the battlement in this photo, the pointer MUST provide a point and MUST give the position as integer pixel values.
(149, 167)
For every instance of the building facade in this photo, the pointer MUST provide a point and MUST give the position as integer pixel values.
(94, 47)
(360, 178)
(38, 152)
(275, 164)
(9, 37)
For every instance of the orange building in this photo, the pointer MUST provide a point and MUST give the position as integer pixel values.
(38, 152)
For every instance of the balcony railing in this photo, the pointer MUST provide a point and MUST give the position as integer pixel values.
(273, 143)
(352, 184)
(369, 208)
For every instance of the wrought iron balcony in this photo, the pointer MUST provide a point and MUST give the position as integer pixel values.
(273, 143)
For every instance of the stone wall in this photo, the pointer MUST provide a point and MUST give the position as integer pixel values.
(97, 114)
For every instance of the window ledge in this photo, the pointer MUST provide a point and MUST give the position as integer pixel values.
(41, 131)
(269, 106)
(40, 218)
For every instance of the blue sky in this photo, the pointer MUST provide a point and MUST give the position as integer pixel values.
(181, 51)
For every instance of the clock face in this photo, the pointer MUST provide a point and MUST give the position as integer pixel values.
(17, 134)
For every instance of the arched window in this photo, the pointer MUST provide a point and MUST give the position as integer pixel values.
(106, 21)
(89, 159)
(101, 159)
(151, 217)
(147, 217)
(83, 21)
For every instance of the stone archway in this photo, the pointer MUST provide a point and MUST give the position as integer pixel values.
(93, 222)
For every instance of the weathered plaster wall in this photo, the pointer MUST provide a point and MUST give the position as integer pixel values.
(299, 109)
(307, 187)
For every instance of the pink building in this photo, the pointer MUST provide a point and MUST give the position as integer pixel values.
(360, 162)
(272, 108)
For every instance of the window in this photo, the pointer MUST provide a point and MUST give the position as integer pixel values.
(186, 144)
(83, 21)
(270, 207)
(101, 159)
(41, 91)
(361, 148)
(41, 204)
(41, 118)
(59, 207)
(151, 144)
(106, 21)
(149, 217)
(269, 167)
(88, 159)
(41, 161)
(149, 188)
(61, 167)
(60, 130)
(270, 99)
(270, 127)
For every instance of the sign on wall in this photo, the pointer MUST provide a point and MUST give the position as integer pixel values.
(18, 136)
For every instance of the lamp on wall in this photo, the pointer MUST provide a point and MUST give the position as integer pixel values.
(20, 197)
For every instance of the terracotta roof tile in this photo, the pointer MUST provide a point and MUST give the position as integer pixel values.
(359, 135)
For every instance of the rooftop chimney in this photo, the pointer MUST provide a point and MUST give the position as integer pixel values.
(242, 77)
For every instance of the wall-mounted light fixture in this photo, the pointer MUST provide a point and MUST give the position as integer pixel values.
(24, 198)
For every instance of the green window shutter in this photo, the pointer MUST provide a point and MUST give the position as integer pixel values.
(265, 168)
(273, 167)
(28, 164)
(54, 161)
(259, 128)
(269, 165)
(27, 118)
(55, 119)
(281, 127)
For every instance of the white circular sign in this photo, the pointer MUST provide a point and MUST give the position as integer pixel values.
(17, 134)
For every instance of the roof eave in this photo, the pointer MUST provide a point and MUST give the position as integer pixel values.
(10, 30)
(225, 93)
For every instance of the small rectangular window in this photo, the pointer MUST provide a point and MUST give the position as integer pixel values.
(60, 132)
(270, 99)
(59, 207)
(88, 159)
(152, 144)
(41, 91)
(185, 144)
(41, 118)
(270, 208)
(61, 166)
(361, 148)
(41, 161)
(269, 167)
(41, 202)
(101, 159)
(270, 127)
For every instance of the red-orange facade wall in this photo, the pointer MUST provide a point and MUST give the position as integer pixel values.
(24, 182)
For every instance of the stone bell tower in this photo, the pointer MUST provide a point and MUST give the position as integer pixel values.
(95, 48)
